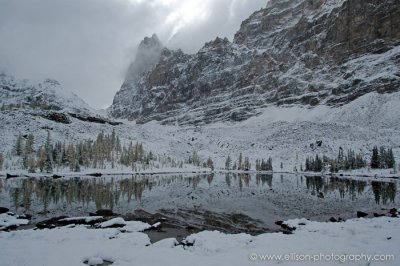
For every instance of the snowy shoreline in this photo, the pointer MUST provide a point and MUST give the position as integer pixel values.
(99, 173)
(78, 244)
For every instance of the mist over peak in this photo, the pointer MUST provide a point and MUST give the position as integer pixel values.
(147, 55)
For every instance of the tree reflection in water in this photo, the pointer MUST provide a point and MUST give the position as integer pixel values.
(110, 192)
(384, 191)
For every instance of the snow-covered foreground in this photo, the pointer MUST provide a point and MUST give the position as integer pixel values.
(358, 239)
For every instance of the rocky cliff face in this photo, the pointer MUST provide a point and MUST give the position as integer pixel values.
(306, 52)
(127, 101)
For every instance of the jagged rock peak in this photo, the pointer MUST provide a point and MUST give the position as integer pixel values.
(152, 41)
(147, 55)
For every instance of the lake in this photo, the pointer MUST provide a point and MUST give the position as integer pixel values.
(232, 201)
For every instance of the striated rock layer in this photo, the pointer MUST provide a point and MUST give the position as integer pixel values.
(307, 52)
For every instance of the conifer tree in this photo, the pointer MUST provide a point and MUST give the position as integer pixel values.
(48, 164)
(28, 152)
(246, 164)
(228, 162)
(18, 148)
(390, 161)
(1, 161)
(239, 165)
(375, 160)
(41, 158)
(382, 157)
(210, 163)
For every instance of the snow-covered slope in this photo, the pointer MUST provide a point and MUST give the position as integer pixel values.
(293, 52)
(287, 134)
(47, 95)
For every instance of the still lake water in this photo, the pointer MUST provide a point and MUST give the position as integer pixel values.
(260, 196)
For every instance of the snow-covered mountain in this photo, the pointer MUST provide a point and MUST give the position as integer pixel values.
(300, 78)
(319, 52)
(47, 95)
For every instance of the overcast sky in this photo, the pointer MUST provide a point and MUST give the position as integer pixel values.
(87, 45)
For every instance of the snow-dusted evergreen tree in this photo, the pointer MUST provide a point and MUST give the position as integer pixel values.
(48, 164)
(234, 167)
(41, 158)
(210, 163)
(18, 147)
(340, 159)
(383, 155)
(28, 152)
(375, 159)
(315, 165)
(390, 161)
(269, 164)
(194, 159)
(264, 165)
(71, 157)
(1, 161)
(32, 163)
(228, 162)
(246, 164)
(240, 162)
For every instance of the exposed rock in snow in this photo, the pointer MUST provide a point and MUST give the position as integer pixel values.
(95, 261)
(88, 219)
(115, 222)
(136, 226)
(8, 220)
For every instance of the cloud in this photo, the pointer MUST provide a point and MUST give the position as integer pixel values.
(218, 18)
(88, 44)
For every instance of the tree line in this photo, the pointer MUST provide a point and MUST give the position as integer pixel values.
(243, 163)
(382, 158)
(106, 150)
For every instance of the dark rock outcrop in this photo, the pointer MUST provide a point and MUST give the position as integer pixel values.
(95, 174)
(361, 214)
(65, 220)
(4, 210)
(50, 223)
(58, 117)
(333, 220)
(55, 176)
(8, 176)
(104, 212)
(94, 119)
